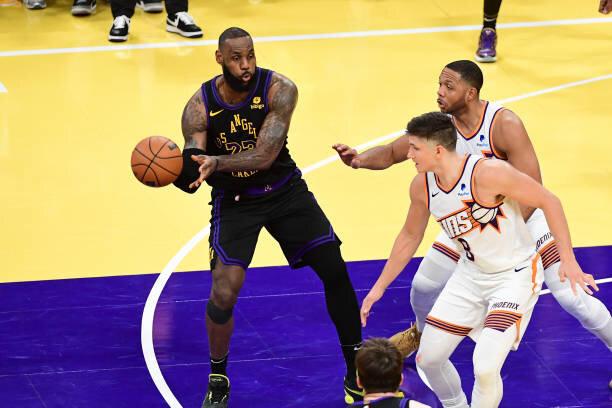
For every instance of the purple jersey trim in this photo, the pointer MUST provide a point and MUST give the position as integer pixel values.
(243, 103)
(205, 99)
(490, 130)
(330, 237)
(427, 190)
(256, 191)
(265, 90)
(484, 115)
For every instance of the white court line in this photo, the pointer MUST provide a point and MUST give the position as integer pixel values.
(146, 333)
(3, 88)
(306, 37)
(146, 330)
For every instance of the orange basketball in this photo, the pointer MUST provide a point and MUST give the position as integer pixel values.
(156, 161)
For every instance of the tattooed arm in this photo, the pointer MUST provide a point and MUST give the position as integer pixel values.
(193, 124)
(282, 97)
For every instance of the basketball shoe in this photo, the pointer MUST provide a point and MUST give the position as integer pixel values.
(217, 393)
(352, 392)
(486, 46)
(35, 4)
(407, 341)
(182, 23)
(120, 29)
(83, 7)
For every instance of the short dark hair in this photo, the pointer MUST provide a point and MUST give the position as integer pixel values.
(379, 366)
(470, 72)
(232, 32)
(435, 126)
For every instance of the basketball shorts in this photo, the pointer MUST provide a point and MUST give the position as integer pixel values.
(544, 241)
(473, 300)
(291, 215)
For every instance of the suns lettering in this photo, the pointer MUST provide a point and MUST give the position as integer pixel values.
(457, 224)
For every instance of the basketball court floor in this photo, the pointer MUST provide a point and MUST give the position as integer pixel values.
(104, 280)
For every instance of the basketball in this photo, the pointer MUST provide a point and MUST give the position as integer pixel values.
(156, 161)
(483, 214)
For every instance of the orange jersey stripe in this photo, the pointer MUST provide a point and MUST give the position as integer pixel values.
(448, 327)
(495, 152)
(480, 122)
(501, 320)
(446, 251)
(534, 271)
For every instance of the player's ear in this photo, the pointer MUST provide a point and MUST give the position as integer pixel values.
(472, 94)
(219, 57)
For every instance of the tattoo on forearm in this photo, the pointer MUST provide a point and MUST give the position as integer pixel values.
(193, 121)
(273, 132)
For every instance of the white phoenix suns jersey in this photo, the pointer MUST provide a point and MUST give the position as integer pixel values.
(480, 142)
(493, 238)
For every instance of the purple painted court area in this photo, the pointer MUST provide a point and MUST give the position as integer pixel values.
(76, 343)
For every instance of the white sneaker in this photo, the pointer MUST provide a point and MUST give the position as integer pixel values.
(35, 4)
(182, 23)
(120, 29)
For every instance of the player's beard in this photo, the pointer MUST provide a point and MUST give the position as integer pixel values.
(235, 83)
(453, 109)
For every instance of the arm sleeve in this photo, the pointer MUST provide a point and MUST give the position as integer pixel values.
(190, 171)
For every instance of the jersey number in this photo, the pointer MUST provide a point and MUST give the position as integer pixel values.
(234, 147)
(467, 248)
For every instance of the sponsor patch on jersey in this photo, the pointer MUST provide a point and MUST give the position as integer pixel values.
(257, 103)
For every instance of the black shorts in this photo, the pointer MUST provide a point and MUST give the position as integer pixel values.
(291, 215)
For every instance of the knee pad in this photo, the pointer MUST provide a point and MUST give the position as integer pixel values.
(217, 315)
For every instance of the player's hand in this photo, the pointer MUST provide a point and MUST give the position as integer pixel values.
(373, 296)
(605, 6)
(573, 272)
(208, 165)
(348, 155)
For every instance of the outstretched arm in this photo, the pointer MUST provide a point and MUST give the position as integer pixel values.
(376, 158)
(404, 247)
(495, 177)
(282, 97)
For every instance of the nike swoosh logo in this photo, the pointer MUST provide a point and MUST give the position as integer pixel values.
(216, 113)
(519, 269)
(434, 194)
